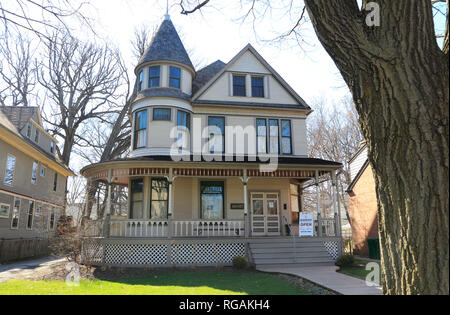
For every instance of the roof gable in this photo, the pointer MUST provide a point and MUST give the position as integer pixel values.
(249, 60)
(19, 116)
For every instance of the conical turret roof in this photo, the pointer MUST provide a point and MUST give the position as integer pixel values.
(166, 45)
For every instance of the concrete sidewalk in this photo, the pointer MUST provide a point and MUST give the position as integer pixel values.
(326, 276)
(24, 269)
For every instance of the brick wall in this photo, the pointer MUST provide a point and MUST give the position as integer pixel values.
(364, 212)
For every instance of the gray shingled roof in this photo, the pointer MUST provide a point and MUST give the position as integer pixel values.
(19, 116)
(206, 74)
(166, 45)
(160, 92)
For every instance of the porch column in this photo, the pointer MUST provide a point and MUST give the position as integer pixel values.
(338, 201)
(333, 191)
(108, 206)
(245, 182)
(170, 205)
(319, 215)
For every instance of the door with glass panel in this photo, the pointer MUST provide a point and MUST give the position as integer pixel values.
(265, 214)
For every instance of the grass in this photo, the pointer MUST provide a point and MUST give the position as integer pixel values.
(196, 283)
(357, 270)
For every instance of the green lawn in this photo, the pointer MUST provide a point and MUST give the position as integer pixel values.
(358, 270)
(189, 283)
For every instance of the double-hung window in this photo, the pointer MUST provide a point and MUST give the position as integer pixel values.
(261, 136)
(239, 88)
(34, 172)
(212, 200)
(140, 81)
(36, 135)
(140, 129)
(274, 136)
(51, 220)
(277, 134)
(257, 87)
(175, 77)
(52, 147)
(55, 182)
(30, 217)
(137, 199)
(4, 210)
(10, 169)
(286, 137)
(162, 114)
(154, 76)
(216, 134)
(159, 198)
(184, 127)
(15, 214)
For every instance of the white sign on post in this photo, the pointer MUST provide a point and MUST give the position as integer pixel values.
(306, 224)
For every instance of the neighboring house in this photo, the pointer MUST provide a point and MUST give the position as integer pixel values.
(32, 184)
(195, 195)
(363, 202)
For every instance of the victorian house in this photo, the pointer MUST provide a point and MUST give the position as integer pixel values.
(217, 166)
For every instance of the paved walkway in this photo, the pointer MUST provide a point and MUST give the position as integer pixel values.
(327, 277)
(27, 269)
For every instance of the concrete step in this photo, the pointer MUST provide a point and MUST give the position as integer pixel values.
(281, 250)
(286, 261)
(285, 240)
(282, 256)
(285, 245)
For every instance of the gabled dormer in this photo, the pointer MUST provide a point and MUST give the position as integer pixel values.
(28, 122)
(247, 80)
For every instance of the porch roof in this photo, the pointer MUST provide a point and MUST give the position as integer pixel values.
(288, 167)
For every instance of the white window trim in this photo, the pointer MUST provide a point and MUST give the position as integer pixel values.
(9, 210)
(6, 169)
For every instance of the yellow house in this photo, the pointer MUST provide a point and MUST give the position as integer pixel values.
(216, 168)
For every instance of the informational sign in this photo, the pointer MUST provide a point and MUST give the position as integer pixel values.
(237, 206)
(306, 225)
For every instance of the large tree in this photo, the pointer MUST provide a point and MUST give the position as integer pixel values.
(399, 79)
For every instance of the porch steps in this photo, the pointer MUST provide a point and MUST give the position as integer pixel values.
(282, 251)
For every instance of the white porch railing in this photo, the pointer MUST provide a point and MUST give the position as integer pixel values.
(138, 228)
(326, 226)
(206, 228)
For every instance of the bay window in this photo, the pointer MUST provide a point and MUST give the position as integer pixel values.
(140, 129)
(162, 114)
(137, 199)
(140, 81)
(261, 135)
(270, 139)
(159, 198)
(184, 127)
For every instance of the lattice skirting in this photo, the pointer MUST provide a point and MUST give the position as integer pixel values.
(161, 254)
(206, 254)
(332, 248)
(135, 254)
(91, 251)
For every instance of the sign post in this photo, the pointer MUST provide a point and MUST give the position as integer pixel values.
(306, 225)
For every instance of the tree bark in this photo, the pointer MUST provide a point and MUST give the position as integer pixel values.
(399, 79)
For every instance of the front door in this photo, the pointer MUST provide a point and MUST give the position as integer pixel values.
(265, 214)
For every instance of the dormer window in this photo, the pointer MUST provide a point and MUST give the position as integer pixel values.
(140, 129)
(257, 87)
(28, 130)
(239, 88)
(154, 77)
(175, 77)
(140, 80)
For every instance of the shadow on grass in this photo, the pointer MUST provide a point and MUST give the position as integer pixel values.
(239, 282)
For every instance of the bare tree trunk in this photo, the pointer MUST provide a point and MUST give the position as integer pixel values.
(399, 79)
